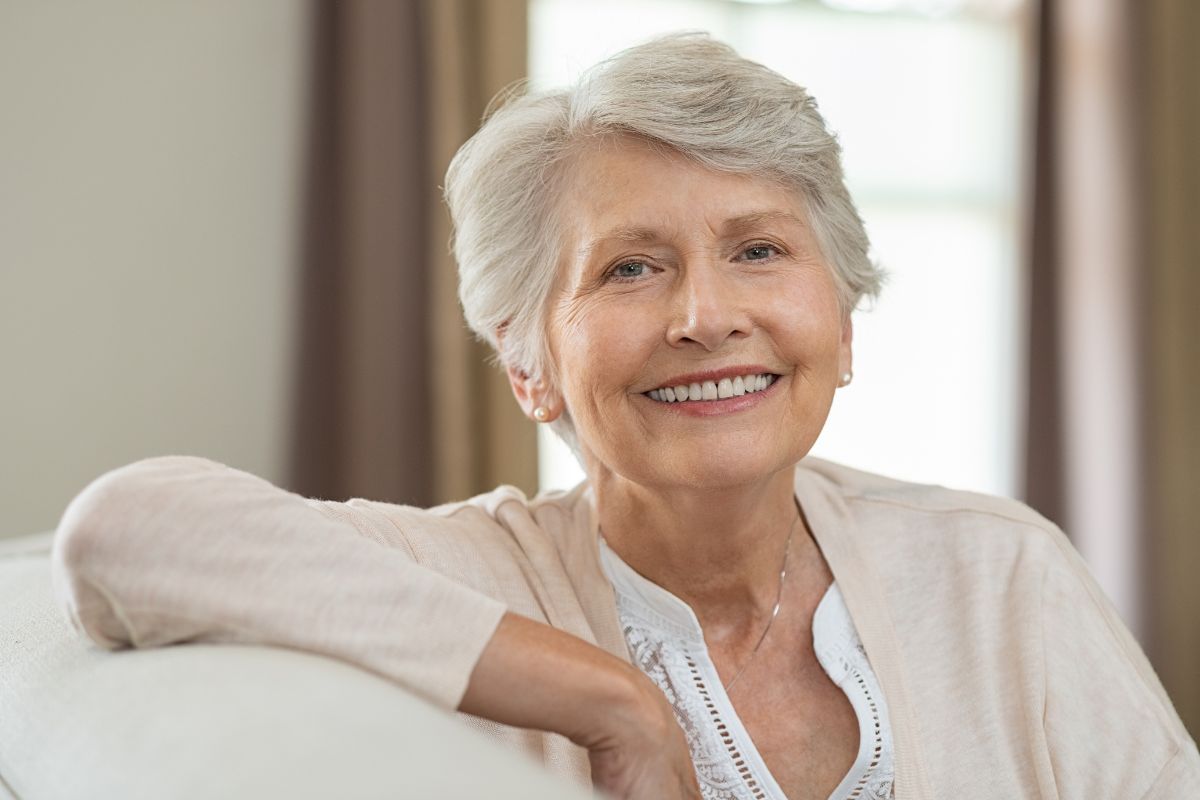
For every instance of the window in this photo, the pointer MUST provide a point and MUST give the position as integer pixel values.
(927, 99)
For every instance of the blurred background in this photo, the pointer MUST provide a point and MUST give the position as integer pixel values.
(221, 234)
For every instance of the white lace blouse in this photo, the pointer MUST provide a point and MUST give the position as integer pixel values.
(666, 642)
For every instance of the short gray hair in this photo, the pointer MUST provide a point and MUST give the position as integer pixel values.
(687, 92)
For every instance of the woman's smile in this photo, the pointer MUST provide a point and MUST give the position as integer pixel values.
(714, 393)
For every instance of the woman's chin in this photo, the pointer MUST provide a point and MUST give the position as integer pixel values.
(716, 469)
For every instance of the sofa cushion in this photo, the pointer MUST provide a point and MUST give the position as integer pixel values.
(224, 721)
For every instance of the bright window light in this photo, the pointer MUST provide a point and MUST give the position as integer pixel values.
(928, 106)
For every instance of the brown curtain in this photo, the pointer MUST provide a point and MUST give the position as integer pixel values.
(1043, 488)
(1086, 369)
(1170, 74)
(1113, 437)
(478, 47)
(394, 401)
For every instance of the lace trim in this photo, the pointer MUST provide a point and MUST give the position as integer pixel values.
(722, 770)
(877, 745)
(845, 660)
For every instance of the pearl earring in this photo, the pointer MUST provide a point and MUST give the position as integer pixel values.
(541, 413)
(847, 376)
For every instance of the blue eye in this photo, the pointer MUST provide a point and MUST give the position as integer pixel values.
(759, 252)
(630, 269)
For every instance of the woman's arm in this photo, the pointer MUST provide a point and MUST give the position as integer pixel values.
(1111, 729)
(184, 549)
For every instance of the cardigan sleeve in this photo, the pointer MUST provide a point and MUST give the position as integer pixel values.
(1110, 727)
(182, 549)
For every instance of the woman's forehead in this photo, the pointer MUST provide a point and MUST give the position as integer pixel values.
(630, 192)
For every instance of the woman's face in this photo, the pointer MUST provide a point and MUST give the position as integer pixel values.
(674, 275)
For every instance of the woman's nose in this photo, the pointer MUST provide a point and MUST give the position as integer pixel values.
(707, 309)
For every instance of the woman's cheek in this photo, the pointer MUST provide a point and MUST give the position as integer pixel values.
(816, 312)
(591, 348)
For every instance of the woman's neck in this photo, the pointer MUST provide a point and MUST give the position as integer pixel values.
(718, 550)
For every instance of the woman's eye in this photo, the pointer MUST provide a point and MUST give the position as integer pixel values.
(630, 269)
(759, 252)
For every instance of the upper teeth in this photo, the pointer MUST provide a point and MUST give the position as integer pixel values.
(713, 390)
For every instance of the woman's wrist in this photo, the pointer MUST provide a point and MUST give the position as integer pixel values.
(531, 675)
(615, 702)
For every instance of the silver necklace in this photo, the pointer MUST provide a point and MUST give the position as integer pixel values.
(774, 613)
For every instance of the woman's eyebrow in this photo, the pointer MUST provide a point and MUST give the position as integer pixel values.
(758, 218)
(634, 234)
(640, 234)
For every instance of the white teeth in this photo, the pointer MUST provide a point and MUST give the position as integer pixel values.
(712, 390)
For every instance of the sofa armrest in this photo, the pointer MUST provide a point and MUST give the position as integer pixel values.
(224, 721)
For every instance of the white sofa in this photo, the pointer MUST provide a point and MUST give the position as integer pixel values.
(205, 721)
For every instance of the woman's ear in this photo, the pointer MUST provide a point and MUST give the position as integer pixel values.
(845, 351)
(533, 395)
(537, 400)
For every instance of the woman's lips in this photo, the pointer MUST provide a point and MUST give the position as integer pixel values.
(709, 390)
(728, 405)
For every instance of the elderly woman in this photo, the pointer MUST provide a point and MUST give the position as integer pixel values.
(665, 258)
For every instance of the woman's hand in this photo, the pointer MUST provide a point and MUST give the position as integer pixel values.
(533, 676)
(639, 751)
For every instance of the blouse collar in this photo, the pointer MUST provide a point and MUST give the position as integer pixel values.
(650, 599)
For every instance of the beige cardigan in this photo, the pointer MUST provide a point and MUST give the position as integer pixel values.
(1007, 672)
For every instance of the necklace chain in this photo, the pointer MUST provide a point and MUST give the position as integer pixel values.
(775, 612)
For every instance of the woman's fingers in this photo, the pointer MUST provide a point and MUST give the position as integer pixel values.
(645, 757)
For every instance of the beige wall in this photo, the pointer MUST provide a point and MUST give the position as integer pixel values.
(149, 189)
